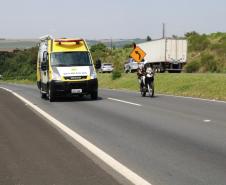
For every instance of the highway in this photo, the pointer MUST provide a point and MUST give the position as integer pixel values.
(33, 153)
(166, 140)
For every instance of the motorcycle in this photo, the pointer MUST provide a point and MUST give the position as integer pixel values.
(147, 83)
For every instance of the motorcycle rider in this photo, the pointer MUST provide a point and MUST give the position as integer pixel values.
(141, 71)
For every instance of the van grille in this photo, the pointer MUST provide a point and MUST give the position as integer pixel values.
(75, 77)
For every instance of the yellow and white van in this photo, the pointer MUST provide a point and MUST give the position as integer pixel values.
(65, 68)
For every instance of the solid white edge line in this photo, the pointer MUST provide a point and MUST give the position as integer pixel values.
(193, 98)
(113, 163)
(122, 101)
(175, 96)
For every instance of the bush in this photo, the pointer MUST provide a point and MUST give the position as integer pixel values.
(98, 47)
(192, 67)
(116, 74)
(117, 68)
(99, 51)
(209, 63)
(21, 65)
(219, 48)
(128, 46)
(198, 42)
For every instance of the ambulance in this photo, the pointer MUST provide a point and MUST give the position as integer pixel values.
(65, 68)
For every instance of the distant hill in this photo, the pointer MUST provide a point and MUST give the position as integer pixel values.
(117, 43)
(17, 44)
(25, 44)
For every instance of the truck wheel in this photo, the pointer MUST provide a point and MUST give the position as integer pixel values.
(94, 95)
(162, 70)
(81, 95)
(51, 95)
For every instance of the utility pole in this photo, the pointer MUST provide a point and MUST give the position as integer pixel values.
(163, 30)
(164, 36)
(111, 44)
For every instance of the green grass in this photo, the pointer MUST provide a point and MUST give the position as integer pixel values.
(28, 82)
(210, 86)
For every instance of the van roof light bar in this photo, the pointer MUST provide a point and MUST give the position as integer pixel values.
(77, 41)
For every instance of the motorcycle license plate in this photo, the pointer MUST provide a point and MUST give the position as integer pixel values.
(76, 91)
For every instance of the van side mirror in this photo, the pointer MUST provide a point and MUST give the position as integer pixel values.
(44, 63)
(45, 57)
(98, 64)
(44, 66)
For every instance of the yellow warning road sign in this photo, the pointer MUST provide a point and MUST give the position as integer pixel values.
(138, 54)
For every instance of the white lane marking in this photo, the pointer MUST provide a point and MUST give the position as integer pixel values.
(127, 102)
(185, 97)
(106, 158)
(194, 98)
(206, 120)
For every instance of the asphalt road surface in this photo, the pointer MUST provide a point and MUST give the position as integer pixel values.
(166, 140)
(33, 153)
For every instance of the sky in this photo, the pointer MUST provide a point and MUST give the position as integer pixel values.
(105, 19)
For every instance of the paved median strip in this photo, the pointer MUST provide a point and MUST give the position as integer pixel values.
(123, 101)
(106, 158)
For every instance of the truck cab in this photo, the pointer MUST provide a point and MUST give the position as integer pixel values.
(65, 68)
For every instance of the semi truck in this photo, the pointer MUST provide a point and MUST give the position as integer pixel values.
(166, 54)
(65, 68)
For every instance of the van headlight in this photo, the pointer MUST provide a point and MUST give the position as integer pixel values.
(56, 76)
(93, 74)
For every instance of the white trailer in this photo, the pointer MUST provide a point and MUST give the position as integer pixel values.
(166, 54)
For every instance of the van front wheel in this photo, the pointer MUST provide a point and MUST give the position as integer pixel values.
(94, 95)
(51, 95)
(43, 95)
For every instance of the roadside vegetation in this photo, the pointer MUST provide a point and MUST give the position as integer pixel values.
(208, 85)
(20, 65)
(206, 60)
(207, 53)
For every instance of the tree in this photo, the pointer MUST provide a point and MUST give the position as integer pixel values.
(148, 38)
(98, 47)
(198, 42)
(99, 51)
(192, 33)
(175, 36)
(128, 46)
(21, 65)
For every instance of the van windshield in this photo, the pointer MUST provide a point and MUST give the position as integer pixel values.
(70, 59)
